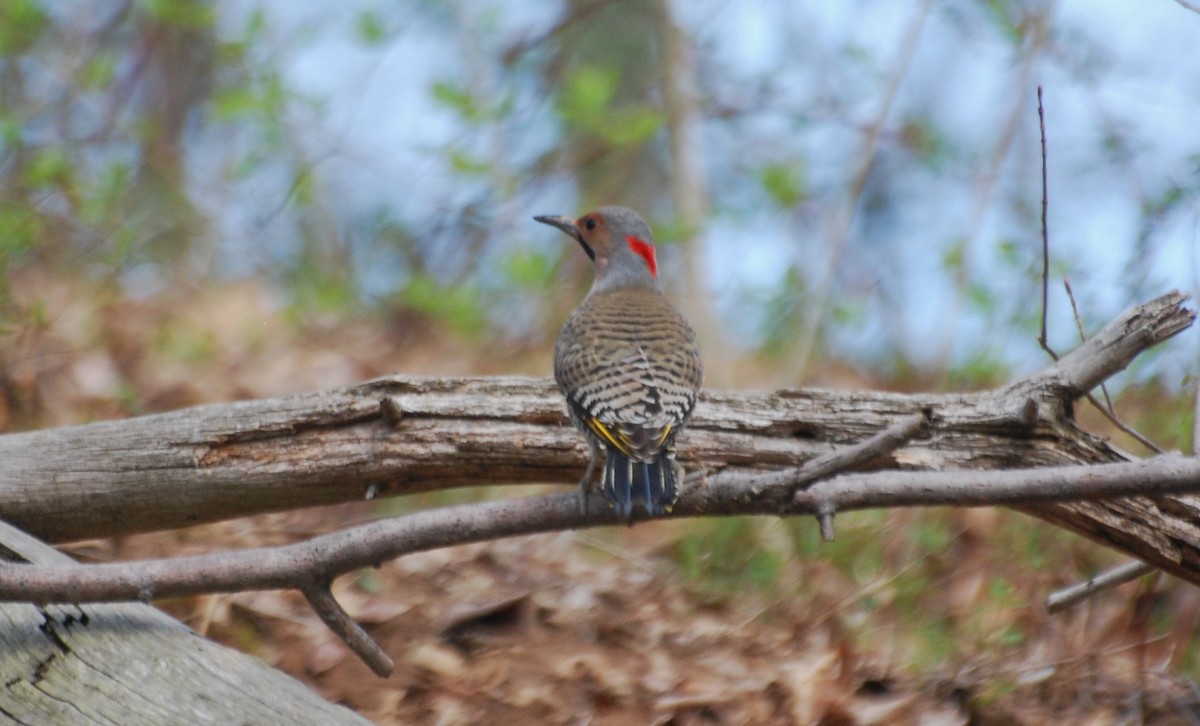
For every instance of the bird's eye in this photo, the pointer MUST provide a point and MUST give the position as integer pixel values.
(589, 224)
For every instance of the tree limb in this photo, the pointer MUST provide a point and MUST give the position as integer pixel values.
(323, 558)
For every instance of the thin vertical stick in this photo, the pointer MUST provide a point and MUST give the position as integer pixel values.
(1045, 230)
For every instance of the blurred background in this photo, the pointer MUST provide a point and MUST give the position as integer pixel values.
(206, 201)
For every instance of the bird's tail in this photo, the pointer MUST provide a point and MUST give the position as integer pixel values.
(652, 484)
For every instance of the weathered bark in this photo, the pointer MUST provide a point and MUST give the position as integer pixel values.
(212, 462)
(402, 435)
(131, 664)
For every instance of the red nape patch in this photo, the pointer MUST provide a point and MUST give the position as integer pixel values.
(646, 250)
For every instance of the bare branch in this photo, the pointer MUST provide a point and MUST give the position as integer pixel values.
(1116, 345)
(1045, 231)
(339, 621)
(326, 557)
(1119, 575)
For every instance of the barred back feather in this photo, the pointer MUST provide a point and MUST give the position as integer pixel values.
(629, 365)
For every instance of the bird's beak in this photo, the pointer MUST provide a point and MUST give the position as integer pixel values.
(567, 225)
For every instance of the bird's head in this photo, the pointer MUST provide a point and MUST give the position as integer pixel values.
(618, 241)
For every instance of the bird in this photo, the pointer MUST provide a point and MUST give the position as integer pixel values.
(628, 364)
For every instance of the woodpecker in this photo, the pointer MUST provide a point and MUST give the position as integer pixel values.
(628, 363)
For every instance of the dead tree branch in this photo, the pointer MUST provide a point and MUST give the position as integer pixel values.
(312, 564)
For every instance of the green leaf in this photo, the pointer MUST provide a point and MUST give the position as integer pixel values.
(49, 166)
(302, 186)
(103, 197)
(529, 270)
(952, 258)
(230, 104)
(631, 126)
(19, 231)
(458, 307)
(1001, 13)
(187, 14)
(370, 28)
(22, 23)
(11, 131)
(462, 163)
(98, 72)
(458, 100)
(981, 297)
(586, 94)
(785, 183)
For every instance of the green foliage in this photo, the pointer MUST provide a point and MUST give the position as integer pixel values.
(50, 166)
(187, 14)
(983, 368)
(98, 72)
(1004, 16)
(586, 102)
(371, 28)
(459, 100)
(10, 131)
(186, 344)
(103, 197)
(264, 101)
(786, 184)
(528, 270)
(953, 255)
(22, 25)
(457, 307)
(20, 230)
(319, 286)
(722, 554)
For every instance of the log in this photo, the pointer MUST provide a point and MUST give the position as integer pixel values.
(132, 664)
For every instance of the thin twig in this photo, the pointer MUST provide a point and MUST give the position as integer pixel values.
(1082, 333)
(1045, 231)
(321, 598)
(1112, 417)
(1062, 599)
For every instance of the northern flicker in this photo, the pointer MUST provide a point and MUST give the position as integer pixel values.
(628, 363)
